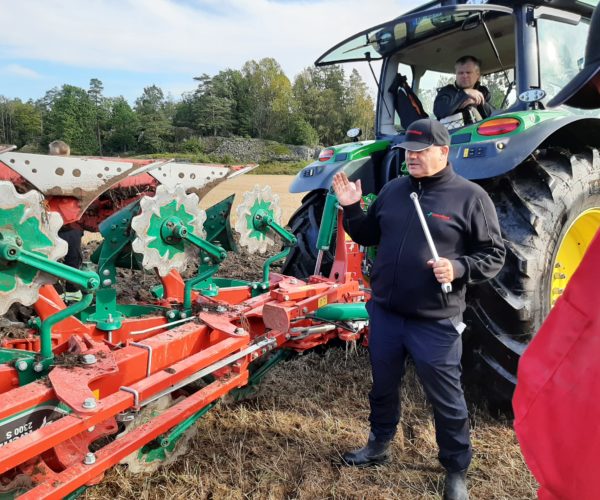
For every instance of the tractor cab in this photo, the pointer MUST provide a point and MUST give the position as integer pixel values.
(528, 52)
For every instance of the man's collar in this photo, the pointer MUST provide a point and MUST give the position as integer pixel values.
(443, 175)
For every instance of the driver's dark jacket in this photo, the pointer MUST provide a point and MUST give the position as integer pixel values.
(464, 226)
(450, 97)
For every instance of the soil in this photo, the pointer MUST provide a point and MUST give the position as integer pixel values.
(14, 331)
(68, 360)
(13, 325)
(17, 313)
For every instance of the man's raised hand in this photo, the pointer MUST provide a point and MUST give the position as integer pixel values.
(347, 192)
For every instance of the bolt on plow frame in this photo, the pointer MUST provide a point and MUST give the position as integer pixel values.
(97, 382)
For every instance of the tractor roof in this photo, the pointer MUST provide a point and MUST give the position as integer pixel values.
(438, 33)
(582, 7)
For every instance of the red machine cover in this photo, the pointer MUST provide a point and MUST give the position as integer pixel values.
(557, 399)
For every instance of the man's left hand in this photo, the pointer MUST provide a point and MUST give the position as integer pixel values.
(442, 269)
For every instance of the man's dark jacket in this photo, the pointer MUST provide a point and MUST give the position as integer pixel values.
(449, 98)
(464, 226)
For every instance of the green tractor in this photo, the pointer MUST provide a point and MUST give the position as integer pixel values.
(541, 167)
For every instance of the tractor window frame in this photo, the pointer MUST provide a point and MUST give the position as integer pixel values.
(559, 63)
(382, 40)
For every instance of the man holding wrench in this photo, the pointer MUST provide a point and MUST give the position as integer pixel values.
(410, 313)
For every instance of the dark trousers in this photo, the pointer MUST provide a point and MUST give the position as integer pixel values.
(74, 257)
(436, 348)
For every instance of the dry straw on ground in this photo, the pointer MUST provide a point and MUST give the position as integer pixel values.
(285, 444)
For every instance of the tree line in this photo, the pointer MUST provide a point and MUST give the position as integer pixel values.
(258, 101)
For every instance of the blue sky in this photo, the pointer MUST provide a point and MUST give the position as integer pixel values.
(131, 44)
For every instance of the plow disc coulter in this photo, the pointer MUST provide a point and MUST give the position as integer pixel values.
(98, 382)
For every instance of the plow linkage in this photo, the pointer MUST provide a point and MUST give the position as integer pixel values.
(90, 384)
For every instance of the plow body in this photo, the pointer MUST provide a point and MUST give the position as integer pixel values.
(78, 383)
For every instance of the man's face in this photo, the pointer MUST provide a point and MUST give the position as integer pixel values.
(427, 162)
(467, 75)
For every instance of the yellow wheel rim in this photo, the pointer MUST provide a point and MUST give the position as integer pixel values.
(571, 249)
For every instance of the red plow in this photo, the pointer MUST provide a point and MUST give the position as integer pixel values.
(97, 382)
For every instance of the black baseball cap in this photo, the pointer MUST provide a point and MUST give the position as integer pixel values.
(424, 133)
(581, 91)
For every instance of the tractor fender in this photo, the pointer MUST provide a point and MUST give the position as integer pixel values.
(497, 156)
(320, 176)
(355, 158)
(315, 176)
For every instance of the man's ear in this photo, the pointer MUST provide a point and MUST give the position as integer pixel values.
(445, 150)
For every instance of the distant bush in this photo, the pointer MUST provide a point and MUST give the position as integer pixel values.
(279, 168)
(278, 149)
(225, 158)
(32, 148)
(180, 157)
(193, 145)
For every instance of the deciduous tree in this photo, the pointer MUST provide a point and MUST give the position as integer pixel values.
(270, 98)
(123, 127)
(70, 115)
(155, 127)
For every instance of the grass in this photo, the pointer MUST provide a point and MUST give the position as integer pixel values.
(187, 157)
(268, 168)
(279, 168)
(286, 443)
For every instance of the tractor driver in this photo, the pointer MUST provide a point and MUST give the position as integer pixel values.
(408, 312)
(465, 94)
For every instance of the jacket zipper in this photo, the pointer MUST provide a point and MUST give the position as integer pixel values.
(400, 250)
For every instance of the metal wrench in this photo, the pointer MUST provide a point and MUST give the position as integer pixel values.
(446, 287)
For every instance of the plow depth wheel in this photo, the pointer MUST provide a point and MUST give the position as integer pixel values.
(167, 208)
(28, 225)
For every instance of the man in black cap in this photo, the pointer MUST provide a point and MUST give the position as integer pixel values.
(409, 313)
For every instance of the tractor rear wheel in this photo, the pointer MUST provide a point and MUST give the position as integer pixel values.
(549, 212)
(304, 224)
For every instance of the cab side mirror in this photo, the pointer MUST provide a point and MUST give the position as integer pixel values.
(354, 133)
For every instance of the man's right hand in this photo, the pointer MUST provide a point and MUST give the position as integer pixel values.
(347, 192)
(475, 98)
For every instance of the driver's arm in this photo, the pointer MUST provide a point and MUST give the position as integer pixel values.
(487, 106)
(449, 101)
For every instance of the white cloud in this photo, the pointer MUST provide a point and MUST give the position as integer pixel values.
(20, 71)
(184, 36)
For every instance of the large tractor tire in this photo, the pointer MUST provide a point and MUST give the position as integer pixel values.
(304, 224)
(549, 211)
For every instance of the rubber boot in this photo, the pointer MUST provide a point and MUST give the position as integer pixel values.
(374, 453)
(455, 486)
